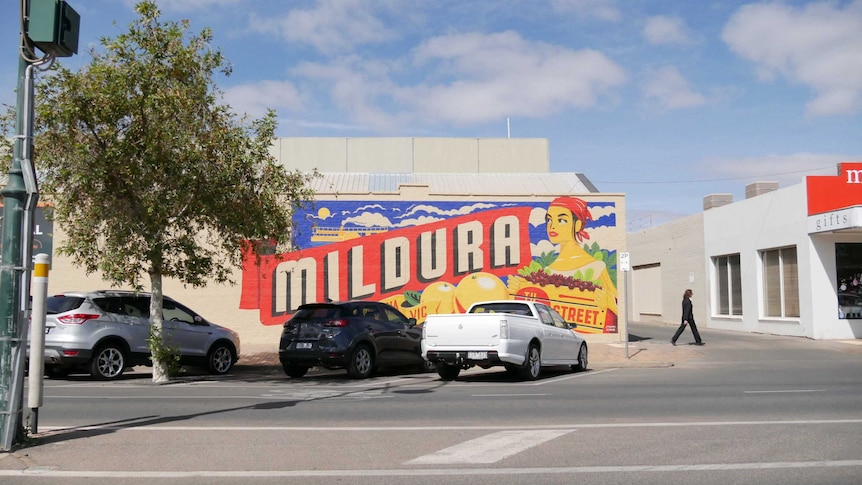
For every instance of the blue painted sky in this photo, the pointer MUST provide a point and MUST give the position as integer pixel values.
(665, 101)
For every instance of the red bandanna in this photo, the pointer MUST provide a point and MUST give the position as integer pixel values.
(579, 211)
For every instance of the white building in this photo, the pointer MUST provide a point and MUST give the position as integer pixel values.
(778, 262)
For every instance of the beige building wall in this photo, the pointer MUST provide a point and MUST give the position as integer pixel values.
(414, 155)
(306, 154)
(676, 248)
(217, 303)
(434, 155)
(513, 155)
(380, 155)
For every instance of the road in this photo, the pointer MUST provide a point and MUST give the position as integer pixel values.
(749, 409)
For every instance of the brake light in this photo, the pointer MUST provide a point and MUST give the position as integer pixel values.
(504, 328)
(338, 322)
(77, 318)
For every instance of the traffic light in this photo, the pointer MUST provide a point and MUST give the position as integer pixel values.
(53, 27)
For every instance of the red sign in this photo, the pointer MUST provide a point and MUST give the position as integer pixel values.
(828, 193)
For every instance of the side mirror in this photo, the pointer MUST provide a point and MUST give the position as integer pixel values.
(411, 322)
(573, 326)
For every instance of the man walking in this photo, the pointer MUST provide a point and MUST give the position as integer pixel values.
(687, 319)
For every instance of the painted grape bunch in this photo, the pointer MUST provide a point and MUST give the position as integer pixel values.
(542, 278)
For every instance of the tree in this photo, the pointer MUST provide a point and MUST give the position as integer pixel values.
(148, 171)
(7, 131)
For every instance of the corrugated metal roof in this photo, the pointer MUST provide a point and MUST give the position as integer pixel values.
(456, 183)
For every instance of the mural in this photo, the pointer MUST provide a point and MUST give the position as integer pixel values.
(441, 257)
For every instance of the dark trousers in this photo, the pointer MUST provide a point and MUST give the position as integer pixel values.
(682, 328)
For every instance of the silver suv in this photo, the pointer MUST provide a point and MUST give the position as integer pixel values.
(105, 332)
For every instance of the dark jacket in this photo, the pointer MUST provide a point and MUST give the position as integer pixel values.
(687, 313)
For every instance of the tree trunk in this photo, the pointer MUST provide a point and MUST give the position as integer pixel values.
(160, 367)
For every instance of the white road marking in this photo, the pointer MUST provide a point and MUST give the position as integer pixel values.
(572, 426)
(412, 472)
(490, 448)
(508, 395)
(779, 391)
(554, 380)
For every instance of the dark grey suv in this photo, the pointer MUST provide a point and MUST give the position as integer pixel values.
(359, 336)
(105, 332)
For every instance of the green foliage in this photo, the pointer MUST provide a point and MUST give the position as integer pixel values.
(161, 352)
(608, 257)
(588, 275)
(7, 131)
(412, 298)
(538, 263)
(531, 268)
(148, 172)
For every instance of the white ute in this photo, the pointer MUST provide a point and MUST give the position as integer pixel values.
(523, 336)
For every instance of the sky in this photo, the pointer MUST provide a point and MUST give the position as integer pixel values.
(665, 101)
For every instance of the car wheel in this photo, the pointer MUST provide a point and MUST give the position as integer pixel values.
(108, 362)
(361, 362)
(582, 359)
(533, 364)
(448, 372)
(220, 359)
(293, 370)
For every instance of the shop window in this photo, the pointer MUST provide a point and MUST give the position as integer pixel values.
(728, 285)
(848, 265)
(780, 283)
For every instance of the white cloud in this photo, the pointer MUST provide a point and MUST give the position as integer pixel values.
(498, 75)
(477, 78)
(599, 9)
(669, 90)
(817, 45)
(542, 247)
(601, 211)
(254, 99)
(358, 87)
(331, 27)
(537, 216)
(666, 30)
(369, 219)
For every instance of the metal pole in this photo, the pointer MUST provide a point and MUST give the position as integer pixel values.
(11, 333)
(37, 340)
(626, 308)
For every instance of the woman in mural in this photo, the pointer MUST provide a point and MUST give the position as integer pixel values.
(566, 223)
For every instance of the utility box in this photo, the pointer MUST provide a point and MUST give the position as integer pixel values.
(53, 27)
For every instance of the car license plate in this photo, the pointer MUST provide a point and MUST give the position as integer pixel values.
(477, 355)
(303, 345)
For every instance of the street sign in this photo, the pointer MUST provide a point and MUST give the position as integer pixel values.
(625, 262)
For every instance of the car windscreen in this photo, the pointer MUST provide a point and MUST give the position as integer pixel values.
(503, 307)
(62, 303)
(317, 312)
